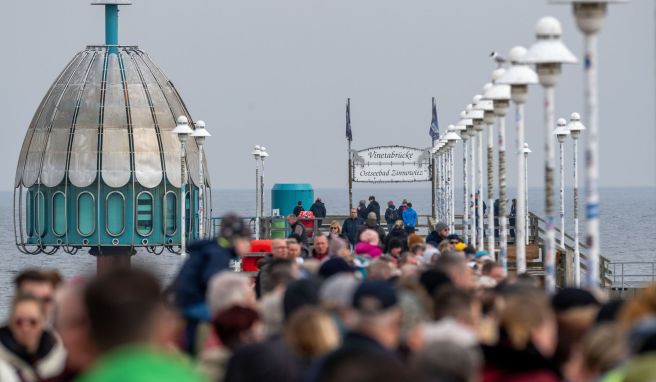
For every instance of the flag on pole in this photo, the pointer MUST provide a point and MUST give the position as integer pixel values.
(434, 127)
(349, 133)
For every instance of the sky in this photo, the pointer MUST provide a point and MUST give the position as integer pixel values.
(278, 73)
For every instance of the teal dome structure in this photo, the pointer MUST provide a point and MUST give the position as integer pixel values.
(100, 165)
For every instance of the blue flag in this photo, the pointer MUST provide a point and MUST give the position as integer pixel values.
(349, 133)
(434, 127)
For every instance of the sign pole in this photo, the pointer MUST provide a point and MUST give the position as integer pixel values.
(433, 185)
(350, 176)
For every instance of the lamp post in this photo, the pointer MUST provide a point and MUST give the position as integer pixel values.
(575, 128)
(263, 155)
(524, 217)
(500, 96)
(590, 16)
(561, 134)
(183, 131)
(200, 134)
(476, 116)
(549, 53)
(489, 118)
(443, 190)
(519, 76)
(452, 138)
(257, 153)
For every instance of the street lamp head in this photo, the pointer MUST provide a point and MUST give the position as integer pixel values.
(263, 153)
(499, 94)
(519, 75)
(182, 128)
(200, 132)
(257, 152)
(561, 131)
(526, 150)
(487, 105)
(589, 14)
(548, 53)
(575, 126)
(451, 136)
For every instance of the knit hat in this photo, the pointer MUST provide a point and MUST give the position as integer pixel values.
(300, 293)
(390, 203)
(374, 296)
(568, 298)
(334, 266)
(440, 226)
(460, 246)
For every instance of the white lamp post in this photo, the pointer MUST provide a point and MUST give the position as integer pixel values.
(476, 116)
(257, 153)
(183, 131)
(263, 155)
(500, 96)
(575, 128)
(443, 175)
(489, 118)
(561, 133)
(519, 76)
(452, 138)
(548, 53)
(526, 151)
(590, 16)
(200, 134)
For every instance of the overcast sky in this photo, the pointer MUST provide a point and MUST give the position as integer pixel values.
(278, 73)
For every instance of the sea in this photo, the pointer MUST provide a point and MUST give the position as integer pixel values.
(628, 227)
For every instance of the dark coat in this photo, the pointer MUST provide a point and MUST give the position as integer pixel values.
(298, 229)
(206, 258)
(350, 228)
(375, 208)
(318, 209)
(396, 233)
(435, 237)
(389, 214)
(503, 363)
(297, 210)
(362, 212)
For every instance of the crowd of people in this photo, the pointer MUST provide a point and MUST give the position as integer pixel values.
(395, 308)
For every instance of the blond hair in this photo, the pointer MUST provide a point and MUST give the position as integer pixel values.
(522, 314)
(311, 333)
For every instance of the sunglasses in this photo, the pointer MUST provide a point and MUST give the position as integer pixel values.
(31, 322)
(454, 242)
(335, 228)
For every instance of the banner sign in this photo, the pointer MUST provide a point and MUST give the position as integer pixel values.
(390, 164)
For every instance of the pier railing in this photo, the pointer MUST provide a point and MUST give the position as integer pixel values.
(629, 276)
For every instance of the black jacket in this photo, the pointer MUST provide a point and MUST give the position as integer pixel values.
(389, 214)
(372, 225)
(396, 233)
(375, 208)
(350, 228)
(297, 210)
(318, 209)
(435, 237)
(298, 229)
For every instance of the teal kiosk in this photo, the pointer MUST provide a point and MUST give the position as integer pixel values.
(284, 197)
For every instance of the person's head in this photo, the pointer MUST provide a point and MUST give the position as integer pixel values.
(398, 224)
(409, 205)
(457, 304)
(235, 233)
(642, 305)
(27, 321)
(333, 266)
(527, 318)
(418, 249)
(362, 203)
(372, 199)
(442, 230)
(278, 274)
(371, 216)
(293, 249)
(335, 227)
(237, 325)
(381, 268)
(72, 324)
(318, 200)
(320, 244)
(291, 219)
(377, 313)
(457, 269)
(493, 270)
(354, 213)
(123, 306)
(395, 247)
(311, 333)
(299, 203)
(604, 348)
(390, 203)
(279, 248)
(227, 289)
(445, 360)
(38, 284)
(370, 236)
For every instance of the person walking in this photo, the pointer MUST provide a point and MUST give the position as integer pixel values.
(512, 218)
(362, 210)
(319, 210)
(409, 218)
(391, 215)
(374, 207)
(298, 209)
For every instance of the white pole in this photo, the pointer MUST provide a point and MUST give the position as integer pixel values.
(183, 201)
(592, 161)
(520, 244)
(527, 228)
(503, 233)
(453, 188)
(577, 254)
(549, 244)
(257, 200)
(481, 237)
(465, 215)
(261, 187)
(201, 189)
(562, 196)
(490, 190)
(471, 197)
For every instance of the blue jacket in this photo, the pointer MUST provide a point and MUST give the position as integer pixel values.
(410, 217)
(206, 259)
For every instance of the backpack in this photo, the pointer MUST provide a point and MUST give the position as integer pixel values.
(396, 215)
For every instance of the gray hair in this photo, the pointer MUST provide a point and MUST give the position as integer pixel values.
(227, 289)
(337, 291)
(447, 360)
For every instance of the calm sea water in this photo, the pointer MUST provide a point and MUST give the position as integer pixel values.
(628, 227)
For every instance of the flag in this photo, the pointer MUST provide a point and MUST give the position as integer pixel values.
(349, 133)
(434, 127)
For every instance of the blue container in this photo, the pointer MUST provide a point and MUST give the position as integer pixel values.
(285, 196)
